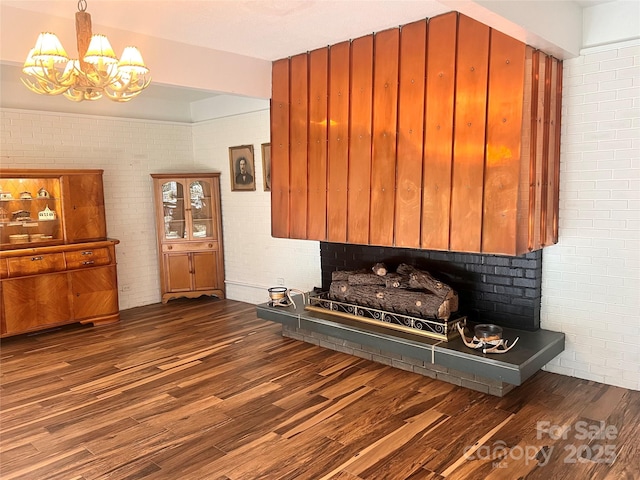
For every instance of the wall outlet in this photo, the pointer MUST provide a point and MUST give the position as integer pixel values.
(280, 281)
(125, 288)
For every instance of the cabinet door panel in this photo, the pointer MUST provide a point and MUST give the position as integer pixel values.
(34, 302)
(205, 270)
(201, 203)
(178, 272)
(94, 292)
(84, 208)
(171, 195)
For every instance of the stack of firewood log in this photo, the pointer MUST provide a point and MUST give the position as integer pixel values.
(408, 291)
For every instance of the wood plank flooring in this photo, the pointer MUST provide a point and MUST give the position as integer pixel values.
(203, 389)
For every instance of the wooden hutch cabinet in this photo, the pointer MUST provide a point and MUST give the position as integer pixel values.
(56, 264)
(189, 232)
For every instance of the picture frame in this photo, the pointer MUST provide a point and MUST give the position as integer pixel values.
(242, 168)
(266, 166)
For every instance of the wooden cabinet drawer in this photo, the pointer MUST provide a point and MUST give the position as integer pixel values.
(87, 258)
(35, 264)
(189, 246)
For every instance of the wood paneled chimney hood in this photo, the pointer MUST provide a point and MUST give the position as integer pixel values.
(443, 134)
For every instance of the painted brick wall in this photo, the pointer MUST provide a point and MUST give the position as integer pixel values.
(129, 151)
(591, 278)
(254, 261)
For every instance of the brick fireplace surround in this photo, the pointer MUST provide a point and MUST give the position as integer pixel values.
(495, 289)
(491, 288)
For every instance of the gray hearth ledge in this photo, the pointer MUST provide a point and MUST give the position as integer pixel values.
(451, 361)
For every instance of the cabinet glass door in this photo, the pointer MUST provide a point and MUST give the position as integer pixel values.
(201, 209)
(174, 210)
(30, 212)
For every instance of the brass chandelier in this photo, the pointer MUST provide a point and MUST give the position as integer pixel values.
(96, 72)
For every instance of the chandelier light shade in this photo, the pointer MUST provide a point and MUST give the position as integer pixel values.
(96, 73)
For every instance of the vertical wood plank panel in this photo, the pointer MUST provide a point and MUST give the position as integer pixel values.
(538, 146)
(318, 78)
(556, 166)
(280, 149)
(338, 149)
(360, 140)
(385, 119)
(469, 135)
(500, 221)
(373, 181)
(413, 38)
(438, 131)
(552, 189)
(298, 150)
(527, 170)
(542, 148)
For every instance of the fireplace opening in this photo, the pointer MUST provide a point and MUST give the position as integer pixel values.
(495, 289)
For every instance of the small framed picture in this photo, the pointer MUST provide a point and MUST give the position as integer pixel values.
(266, 166)
(242, 168)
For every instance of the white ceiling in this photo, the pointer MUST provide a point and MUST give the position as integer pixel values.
(263, 29)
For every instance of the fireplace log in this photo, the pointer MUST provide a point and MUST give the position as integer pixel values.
(340, 275)
(338, 289)
(408, 302)
(366, 279)
(423, 280)
(395, 280)
(379, 269)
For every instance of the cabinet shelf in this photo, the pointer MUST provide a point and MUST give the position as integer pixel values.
(34, 199)
(34, 223)
(30, 244)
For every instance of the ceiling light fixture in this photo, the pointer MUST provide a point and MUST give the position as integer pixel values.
(98, 71)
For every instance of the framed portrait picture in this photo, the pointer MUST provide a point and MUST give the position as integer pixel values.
(242, 168)
(266, 166)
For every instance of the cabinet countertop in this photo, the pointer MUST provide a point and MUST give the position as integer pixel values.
(19, 252)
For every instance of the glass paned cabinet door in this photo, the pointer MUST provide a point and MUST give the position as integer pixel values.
(201, 209)
(174, 210)
(30, 212)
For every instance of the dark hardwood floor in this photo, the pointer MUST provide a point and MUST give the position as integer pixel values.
(202, 389)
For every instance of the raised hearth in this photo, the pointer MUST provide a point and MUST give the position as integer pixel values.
(450, 361)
